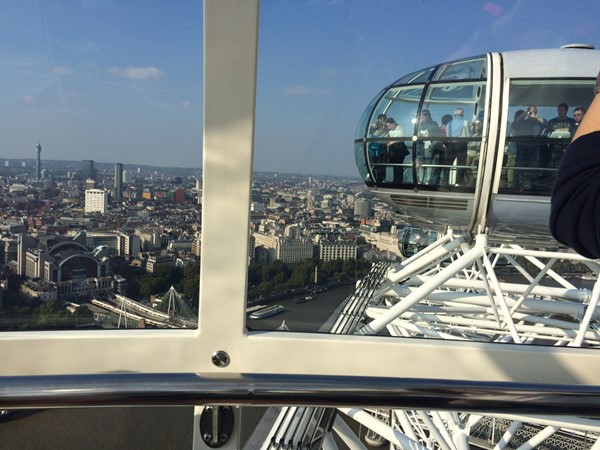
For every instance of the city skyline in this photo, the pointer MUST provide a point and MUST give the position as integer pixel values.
(125, 80)
(109, 166)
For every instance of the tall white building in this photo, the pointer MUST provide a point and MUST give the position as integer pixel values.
(96, 200)
(129, 244)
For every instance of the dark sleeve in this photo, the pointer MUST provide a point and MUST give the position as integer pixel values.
(575, 213)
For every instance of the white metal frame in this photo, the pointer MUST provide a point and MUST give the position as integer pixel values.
(452, 290)
(231, 28)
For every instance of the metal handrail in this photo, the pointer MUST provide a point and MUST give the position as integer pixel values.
(296, 390)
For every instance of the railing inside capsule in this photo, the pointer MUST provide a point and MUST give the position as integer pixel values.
(295, 390)
(528, 170)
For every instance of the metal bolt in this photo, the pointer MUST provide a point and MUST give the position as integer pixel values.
(207, 437)
(223, 437)
(220, 358)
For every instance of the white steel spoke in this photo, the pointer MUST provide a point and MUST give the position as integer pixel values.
(455, 290)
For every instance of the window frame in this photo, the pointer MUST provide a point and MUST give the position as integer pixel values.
(231, 36)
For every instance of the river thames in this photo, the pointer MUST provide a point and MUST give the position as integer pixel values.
(311, 316)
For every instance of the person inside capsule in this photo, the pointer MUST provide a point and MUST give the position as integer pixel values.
(578, 115)
(473, 148)
(379, 128)
(378, 150)
(511, 151)
(438, 155)
(396, 150)
(427, 128)
(575, 202)
(457, 127)
(560, 127)
(528, 152)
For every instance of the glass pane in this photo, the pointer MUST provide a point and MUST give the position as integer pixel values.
(543, 116)
(414, 239)
(361, 163)
(100, 225)
(400, 107)
(421, 148)
(365, 118)
(390, 161)
(418, 77)
(462, 70)
(451, 160)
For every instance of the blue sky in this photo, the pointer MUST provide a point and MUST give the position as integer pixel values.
(114, 80)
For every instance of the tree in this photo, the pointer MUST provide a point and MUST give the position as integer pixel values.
(160, 281)
(191, 281)
(254, 274)
(302, 274)
(273, 268)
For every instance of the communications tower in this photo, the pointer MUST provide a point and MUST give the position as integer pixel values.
(38, 162)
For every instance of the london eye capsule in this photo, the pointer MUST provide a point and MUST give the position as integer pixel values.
(475, 143)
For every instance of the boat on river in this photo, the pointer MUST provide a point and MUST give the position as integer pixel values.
(267, 311)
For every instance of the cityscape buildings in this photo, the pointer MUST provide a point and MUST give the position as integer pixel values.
(77, 237)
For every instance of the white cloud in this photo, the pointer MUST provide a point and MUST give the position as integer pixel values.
(186, 103)
(304, 90)
(137, 73)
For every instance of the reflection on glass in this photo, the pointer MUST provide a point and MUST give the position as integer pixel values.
(475, 68)
(413, 239)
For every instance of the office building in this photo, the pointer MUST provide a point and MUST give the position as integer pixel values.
(362, 208)
(287, 250)
(118, 181)
(96, 200)
(155, 261)
(329, 251)
(87, 170)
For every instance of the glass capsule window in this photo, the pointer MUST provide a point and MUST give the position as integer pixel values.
(543, 116)
(418, 77)
(421, 135)
(462, 70)
(363, 124)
